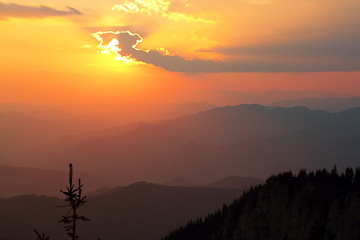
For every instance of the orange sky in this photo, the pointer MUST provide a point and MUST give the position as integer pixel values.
(49, 53)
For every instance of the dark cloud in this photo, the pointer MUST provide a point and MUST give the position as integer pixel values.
(336, 58)
(12, 10)
(339, 49)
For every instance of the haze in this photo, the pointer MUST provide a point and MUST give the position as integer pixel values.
(128, 90)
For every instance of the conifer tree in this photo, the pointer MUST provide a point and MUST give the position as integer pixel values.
(75, 200)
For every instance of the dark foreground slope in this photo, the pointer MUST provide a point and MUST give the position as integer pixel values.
(141, 211)
(307, 206)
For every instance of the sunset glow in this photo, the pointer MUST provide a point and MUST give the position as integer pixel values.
(170, 109)
(199, 45)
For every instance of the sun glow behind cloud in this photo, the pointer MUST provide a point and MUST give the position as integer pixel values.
(245, 35)
(113, 45)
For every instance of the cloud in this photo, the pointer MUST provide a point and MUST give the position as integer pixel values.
(125, 45)
(164, 8)
(346, 49)
(245, 36)
(12, 10)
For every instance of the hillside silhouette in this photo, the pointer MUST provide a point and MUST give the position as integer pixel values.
(141, 211)
(320, 205)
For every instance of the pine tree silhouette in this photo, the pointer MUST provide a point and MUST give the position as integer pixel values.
(75, 200)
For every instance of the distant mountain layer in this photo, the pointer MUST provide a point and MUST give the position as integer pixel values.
(231, 182)
(141, 211)
(308, 206)
(20, 181)
(317, 147)
(20, 130)
(228, 97)
(150, 151)
(40, 153)
(235, 182)
(3, 160)
(325, 104)
(246, 140)
(15, 181)
(181, 182)
(25, 125)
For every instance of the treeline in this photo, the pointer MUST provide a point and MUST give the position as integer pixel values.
(349, 178)
(310, 201)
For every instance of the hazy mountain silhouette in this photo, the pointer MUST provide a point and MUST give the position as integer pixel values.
(101, 191)
(326, 104)
(22, 107)
(316, 147)
(146, 148)
(37, 155)
(19, 181)
(230, 182)
(321, 205)
(181, 182)
(141, 211)
(23, 125)
(20, 130)
(3, 160)
(233, 140)
(229, 97)
(235, 182)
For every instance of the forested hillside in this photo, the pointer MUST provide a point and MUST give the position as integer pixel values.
(320, 205)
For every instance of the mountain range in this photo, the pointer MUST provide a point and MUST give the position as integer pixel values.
(18, 181)
(246, 140)
(221, 143)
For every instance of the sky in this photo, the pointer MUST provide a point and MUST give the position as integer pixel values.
(164, 51)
